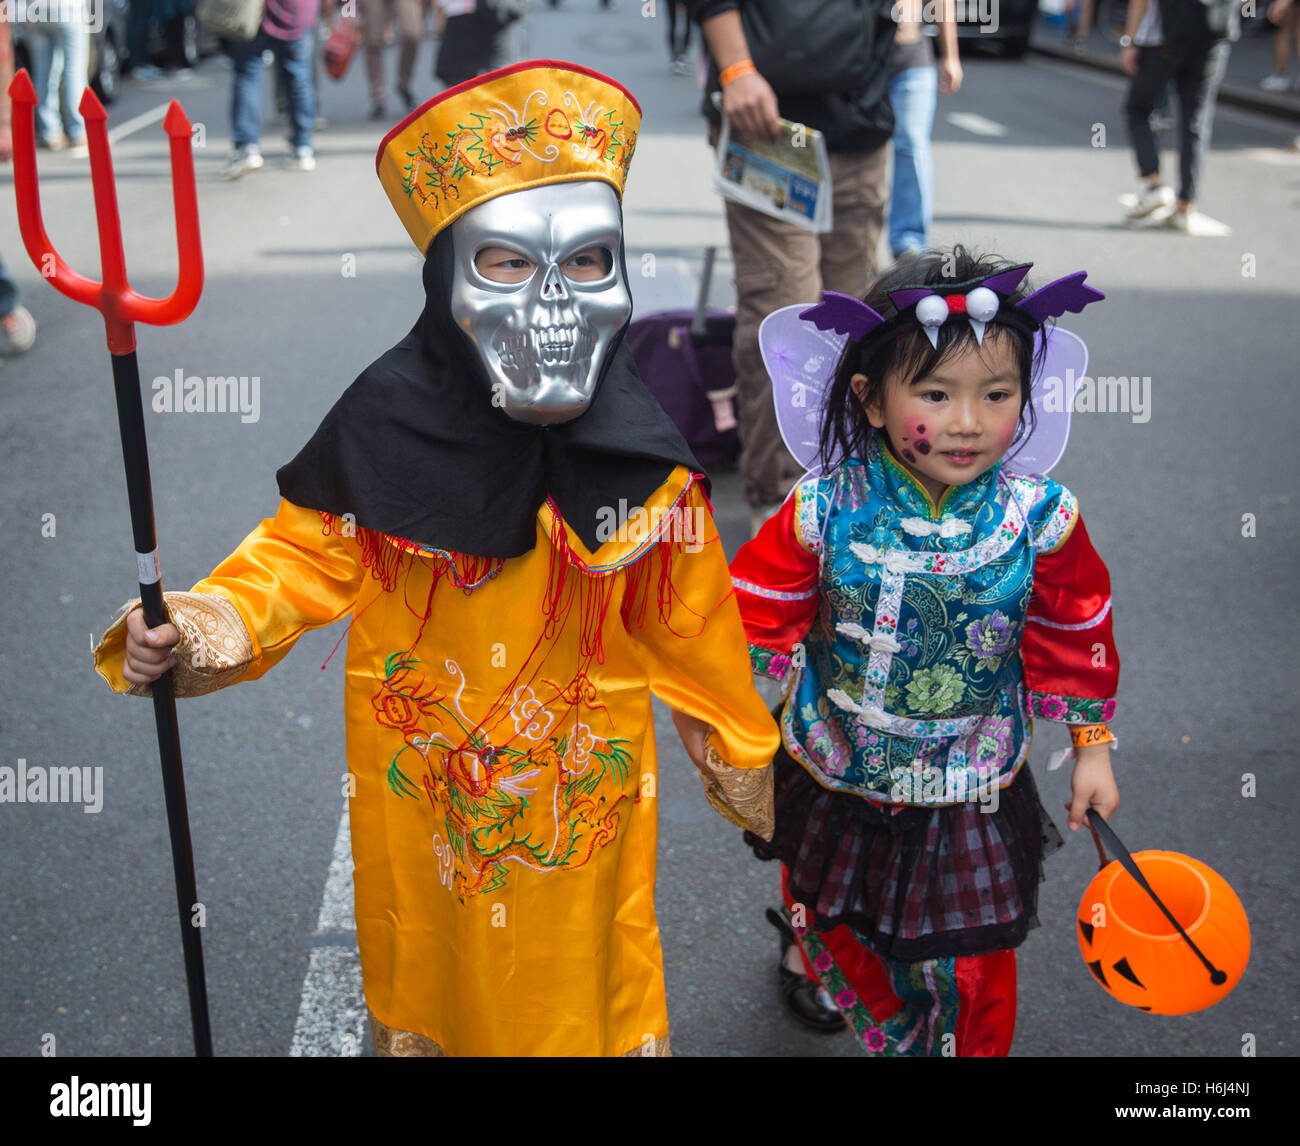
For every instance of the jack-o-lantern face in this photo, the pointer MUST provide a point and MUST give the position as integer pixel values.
(1133, 950)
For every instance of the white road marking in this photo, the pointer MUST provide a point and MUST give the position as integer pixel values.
(332, 1009)
(144, 119)
(976, 124)
(336, 910)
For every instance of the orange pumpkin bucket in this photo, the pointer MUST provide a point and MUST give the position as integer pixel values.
(1161, 931)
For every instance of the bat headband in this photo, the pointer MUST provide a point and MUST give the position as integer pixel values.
(801, 346)
(981, 301)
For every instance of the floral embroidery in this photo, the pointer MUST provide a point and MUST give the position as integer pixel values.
(545, 805)
(990, 635)
(1054, 530)
(767, 663)
(1071, 709)
(935, 690)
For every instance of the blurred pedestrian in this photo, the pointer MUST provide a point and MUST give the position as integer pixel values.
(914, 85)
(59, 47)
(288, 30)
(376, 15)
(1078, 29)
(839, 85)
(477, 37)
(167, 18)
(1186, 41)
(17, 326)
(678, 46)
(1287, 18)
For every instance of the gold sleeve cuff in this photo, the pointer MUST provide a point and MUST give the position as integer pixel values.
(215, 648)
(741, 795)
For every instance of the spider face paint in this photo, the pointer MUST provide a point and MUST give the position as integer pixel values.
(543, 336)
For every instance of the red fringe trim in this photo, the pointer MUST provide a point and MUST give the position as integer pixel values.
(570, 583)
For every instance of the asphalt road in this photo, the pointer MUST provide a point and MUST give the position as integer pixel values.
(88, 943)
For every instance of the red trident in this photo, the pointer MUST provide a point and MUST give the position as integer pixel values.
(122, 307)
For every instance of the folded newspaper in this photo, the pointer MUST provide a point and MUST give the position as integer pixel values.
(789, 179)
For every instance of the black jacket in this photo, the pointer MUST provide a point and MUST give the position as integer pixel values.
(857, 119)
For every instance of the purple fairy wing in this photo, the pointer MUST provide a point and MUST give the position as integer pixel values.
(1052, 397)
(801, 360)
(1053, 300)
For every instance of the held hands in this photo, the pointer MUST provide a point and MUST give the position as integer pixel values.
(1092, 785)
(148, 651)
(692, 731)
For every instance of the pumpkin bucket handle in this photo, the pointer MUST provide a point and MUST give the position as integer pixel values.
(1103, 833)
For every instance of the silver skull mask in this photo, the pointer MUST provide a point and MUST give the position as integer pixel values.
(542, 341)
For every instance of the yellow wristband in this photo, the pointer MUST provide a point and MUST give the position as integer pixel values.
(736, 70)
(1091, 734)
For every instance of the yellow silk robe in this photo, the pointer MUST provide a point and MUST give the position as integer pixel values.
(504, 821)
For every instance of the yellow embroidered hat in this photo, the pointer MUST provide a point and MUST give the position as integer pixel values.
(536, 122)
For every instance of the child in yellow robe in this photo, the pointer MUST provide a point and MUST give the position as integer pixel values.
(527, 553)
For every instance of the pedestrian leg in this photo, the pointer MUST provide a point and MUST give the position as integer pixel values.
(375, 15)
(410, 27)
(913, 93)
(776, 265)
(1155, 67)
(847, 257)
(294, 58)
(1198, 82)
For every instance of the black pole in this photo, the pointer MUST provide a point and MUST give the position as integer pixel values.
(139, 491)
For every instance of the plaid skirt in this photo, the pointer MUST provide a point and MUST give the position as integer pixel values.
(920, 883)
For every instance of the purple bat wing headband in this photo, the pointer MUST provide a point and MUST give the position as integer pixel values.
(980, 300)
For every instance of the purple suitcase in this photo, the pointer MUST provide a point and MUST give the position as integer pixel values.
(684, 358)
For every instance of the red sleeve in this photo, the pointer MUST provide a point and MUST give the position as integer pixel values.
(1071, 666)
(776, 581)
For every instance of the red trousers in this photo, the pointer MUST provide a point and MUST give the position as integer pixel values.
(964, 1006)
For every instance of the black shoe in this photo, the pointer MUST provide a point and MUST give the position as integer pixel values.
(407, 98)
(378, 111)
(804, 998)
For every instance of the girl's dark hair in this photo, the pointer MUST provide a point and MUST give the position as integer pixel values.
(845, 430)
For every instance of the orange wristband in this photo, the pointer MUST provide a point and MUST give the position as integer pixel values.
(736, 70)
(1091, 734)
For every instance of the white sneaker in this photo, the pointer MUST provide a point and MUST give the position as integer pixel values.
(304, 159)
(241, 162)
(1151, 200)
(1192, 222)
(1275, 83)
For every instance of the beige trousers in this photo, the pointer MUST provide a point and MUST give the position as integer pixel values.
(779, 264)
(375, 16)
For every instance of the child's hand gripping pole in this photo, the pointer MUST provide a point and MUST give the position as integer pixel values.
(122, 308)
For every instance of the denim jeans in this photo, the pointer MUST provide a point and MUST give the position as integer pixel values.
(913, 92)
(60, 55)
(293, 57)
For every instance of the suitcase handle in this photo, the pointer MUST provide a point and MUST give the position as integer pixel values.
(700, 323)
